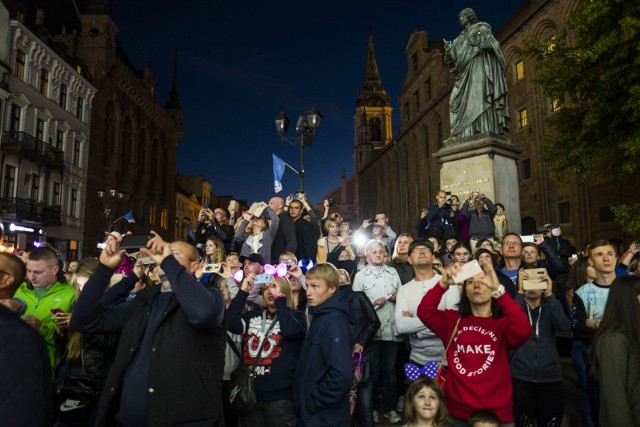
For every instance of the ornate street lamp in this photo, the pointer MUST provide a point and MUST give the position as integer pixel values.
(306, 129)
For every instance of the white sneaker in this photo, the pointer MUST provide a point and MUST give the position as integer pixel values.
(400, 405)
(393, 417)
(376, 417)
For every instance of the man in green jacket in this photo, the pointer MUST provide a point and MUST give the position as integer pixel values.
(42, 292)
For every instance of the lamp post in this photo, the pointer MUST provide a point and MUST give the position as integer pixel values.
(110, 198)
(306, 128)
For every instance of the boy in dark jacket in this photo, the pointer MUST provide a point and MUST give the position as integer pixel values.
(325, 372)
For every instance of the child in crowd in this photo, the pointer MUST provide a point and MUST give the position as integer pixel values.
(483, 418)
(325, 371)
(424, 405)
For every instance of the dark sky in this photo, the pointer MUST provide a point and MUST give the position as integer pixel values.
(241, 62)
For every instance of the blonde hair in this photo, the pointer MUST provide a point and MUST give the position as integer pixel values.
(218, 257)
(328, 223)
(285, 288)
(290, 255)
(326, 272)
(85, 268)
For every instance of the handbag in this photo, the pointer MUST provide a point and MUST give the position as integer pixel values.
(75, 397)
(441, 376)
(242, 398)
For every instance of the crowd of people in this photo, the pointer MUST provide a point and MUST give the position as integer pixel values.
(339, 325)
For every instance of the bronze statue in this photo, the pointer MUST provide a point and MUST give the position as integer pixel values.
(478, 101)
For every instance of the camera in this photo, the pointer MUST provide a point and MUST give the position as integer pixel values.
(541, 230)
(449, 202)
(206, 206)
(293, 196)
(331, 202)
(372, 221)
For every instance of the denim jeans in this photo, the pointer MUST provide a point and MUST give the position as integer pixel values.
(277, 413)
(383, 364)
(365, 404)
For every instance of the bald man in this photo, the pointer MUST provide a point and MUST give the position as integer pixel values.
(170, 357)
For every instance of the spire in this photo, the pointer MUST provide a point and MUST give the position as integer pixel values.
(174, 96)
(372, 84)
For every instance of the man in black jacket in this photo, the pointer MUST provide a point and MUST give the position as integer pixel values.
(285, 239)
(214, 223)
(306, 234)
(169, 363)
(24, 359)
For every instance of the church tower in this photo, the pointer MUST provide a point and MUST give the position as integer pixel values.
(372, 118)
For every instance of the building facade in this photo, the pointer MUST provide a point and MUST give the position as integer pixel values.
(134, 137)
(580, 206)
(46, 117)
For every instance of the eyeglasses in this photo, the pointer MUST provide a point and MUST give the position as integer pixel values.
(511, 244)
(288, 260)
(421, 250)
(218, 213)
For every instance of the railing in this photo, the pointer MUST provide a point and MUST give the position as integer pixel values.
(29, 210)
(32, 148)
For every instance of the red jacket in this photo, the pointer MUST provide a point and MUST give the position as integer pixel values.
(479, 375)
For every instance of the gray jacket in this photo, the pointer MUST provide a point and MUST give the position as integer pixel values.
(481, 225)
(537, 360)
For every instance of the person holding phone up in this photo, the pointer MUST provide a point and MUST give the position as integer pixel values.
(538, 391)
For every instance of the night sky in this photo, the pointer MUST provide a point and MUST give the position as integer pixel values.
(241, 62)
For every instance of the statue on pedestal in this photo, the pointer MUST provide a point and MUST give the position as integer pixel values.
(478, 101)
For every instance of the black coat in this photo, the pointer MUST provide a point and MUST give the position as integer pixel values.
(307, 238)
(187, 355)
(25, 372)
(285, 238)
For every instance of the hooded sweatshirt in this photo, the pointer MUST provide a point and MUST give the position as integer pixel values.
(478, 375)
(325, 369)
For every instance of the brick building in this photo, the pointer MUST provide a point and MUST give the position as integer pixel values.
(580, 206)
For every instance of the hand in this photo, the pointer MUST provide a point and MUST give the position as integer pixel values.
(326, 204)
(157, 249)
(32, 321)
(447, 275)
(111, 255)
(538, 239)
(365, 223)
(302, 197)
(393, 296)
(11, 304)
(296, 271)
(62, 320)
(522, 275)
(633, 248)
(406, 313)
(346, 241)
(592, 323)
(262, 205)
(247, 283)
(274, 289)
(357, 348)
(380, 302)
(246, 216)
(224, 271)
(288, 200)
(490, 278)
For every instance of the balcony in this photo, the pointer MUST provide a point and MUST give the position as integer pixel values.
(26, 146)
(28, 210)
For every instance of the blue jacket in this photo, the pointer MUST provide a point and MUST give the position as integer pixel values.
(325, 370)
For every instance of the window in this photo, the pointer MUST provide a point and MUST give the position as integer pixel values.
(60, 140)
(555, 105)
(526, 169)
(551, 44)
(564, 212)
(427, 90)
(44, 82)
(20, 64)
(79, 108)
(406, 111)
(164, 219)
(519, 70)
(14, 124)
(56, 194)
(63, 96)
(9, 181)
(416, 100)
(522, 118)
(605, 214)
(35, 187)
(152, 215)
(76, 153)
(40, 129)
(73, 206)
(439, 135)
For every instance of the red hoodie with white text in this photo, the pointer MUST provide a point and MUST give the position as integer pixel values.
(479, 376)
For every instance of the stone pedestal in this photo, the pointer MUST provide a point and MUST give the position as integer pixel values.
(484, 163)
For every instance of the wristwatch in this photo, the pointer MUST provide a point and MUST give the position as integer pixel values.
(498, 292)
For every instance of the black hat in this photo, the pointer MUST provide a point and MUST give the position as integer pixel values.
(253, 258)
(428, 244)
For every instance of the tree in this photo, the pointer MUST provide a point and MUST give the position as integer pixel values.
(592, 69)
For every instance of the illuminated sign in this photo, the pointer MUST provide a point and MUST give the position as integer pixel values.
(22, 228)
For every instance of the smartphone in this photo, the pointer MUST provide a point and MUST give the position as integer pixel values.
(212, 268)
(133, 242)
(535, 280)
(262, 279)
(527, 239)
(56, 310)
(146, 261)
(468, 270)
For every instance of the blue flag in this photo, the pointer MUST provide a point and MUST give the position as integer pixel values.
(129, 216)
(278, 171)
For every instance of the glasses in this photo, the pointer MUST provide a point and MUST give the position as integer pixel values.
(511, 244)
(288, 260)
(218, 213)
(421, 250)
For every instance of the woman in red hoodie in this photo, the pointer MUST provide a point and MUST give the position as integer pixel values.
(485, 327)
